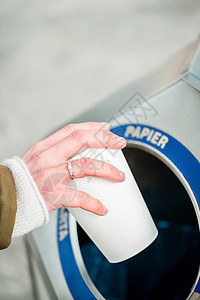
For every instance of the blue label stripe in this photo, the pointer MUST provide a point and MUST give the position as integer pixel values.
(75, 282)
(180, 156)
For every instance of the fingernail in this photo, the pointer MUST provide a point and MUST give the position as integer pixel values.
(122, 140)
(122, 175)
(105, 210)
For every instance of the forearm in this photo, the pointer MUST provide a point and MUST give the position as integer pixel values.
(8, 206)
(31, 209)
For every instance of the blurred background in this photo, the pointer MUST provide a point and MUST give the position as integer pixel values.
(59, 58)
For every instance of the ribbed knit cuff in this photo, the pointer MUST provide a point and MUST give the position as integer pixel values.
(31, 208)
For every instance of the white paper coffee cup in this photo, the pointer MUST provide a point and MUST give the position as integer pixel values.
(128, 227)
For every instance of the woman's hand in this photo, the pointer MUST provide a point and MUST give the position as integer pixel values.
(46, 161)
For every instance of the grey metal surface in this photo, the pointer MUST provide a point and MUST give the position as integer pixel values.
(174, 110)
(43, 242)
(192, 75)
(195, 66)
(191, 80)
(161, 78)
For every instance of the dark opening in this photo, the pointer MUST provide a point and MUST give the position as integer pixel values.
(168, 268)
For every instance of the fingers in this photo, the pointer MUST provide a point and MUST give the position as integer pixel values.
(84, 201)
(74, 143)
(81, 168)
(53, 184)
(82, 139)
(56, 193)
(61, 134)
(96, 168)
